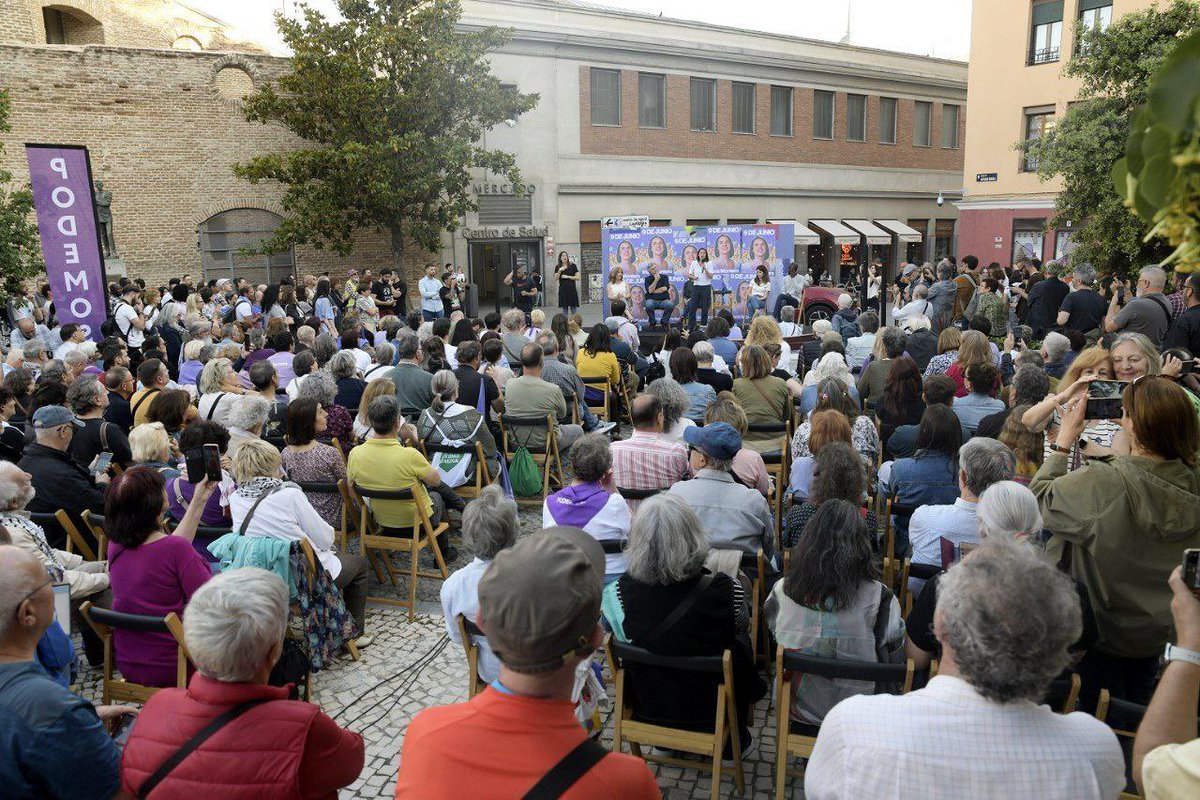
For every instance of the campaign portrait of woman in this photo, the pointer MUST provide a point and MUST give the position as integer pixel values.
(741, 300)
(626, 258)
(637, 302)
(726, 257)
(760, 253)
(659, 256)
(687, 256)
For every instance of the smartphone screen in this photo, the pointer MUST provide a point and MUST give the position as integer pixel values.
(102, 462)
(212, 462)
(1191, 570)
(1104, 399)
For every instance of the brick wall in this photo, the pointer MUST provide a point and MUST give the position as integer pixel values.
(677, 140)
(163, 140)
(15, 22)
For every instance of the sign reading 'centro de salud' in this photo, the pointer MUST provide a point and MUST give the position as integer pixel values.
(508, 232)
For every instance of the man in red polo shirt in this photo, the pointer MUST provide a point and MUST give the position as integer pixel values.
(539, 604)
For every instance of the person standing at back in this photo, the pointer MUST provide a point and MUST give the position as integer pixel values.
(1148, 314)
(1083, 309)
(539, 606)
(1185, 331)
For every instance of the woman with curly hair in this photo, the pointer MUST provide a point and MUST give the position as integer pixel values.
(837, 475)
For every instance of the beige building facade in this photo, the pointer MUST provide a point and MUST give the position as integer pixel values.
(1016, 91)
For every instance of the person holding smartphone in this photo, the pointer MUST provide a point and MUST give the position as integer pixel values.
(1144, 503)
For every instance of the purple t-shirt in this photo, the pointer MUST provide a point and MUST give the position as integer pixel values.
(154, 579)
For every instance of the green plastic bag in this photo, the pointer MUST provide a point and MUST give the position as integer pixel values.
(524, 474)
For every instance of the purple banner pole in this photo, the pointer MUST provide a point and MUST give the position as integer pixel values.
(61, 176)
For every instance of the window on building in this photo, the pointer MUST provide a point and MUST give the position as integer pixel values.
(652, 100)
(606, 96)
(1094, 15)
(743, 107)
(702, 223)
(781, 111)
(922, 123)
(856, 117)
(887, 120)
(1038, 122)
(1028, 238)
(1045, 40)
(55, 29)
(822, 114)
(949, 126)
(732, 221)
(704, 104)
(71, 26)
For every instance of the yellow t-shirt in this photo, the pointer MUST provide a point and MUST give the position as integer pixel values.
(1172, 771)
(387, 464)
(590, 366)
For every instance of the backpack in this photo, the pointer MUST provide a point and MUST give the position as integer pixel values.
(655, 371)
(973, 304)
(848, 328)
(524, 475)
(110, 328)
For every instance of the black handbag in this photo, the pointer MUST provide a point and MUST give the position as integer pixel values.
(292, 666)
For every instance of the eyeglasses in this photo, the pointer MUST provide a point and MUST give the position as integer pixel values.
(31, 594)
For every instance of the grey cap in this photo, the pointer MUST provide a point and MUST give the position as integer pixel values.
(53, 416)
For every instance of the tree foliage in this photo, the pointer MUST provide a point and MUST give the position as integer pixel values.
(392, 101)
(20, 244)
(1114, 67)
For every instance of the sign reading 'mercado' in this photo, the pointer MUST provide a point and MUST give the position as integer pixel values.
(61, 177)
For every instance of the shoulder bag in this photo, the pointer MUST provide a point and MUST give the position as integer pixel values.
(567, 772)
(213, 408)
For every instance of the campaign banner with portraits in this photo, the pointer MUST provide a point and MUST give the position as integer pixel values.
(632, 257)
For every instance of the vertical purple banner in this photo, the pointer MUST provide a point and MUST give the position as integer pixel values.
(61, 177)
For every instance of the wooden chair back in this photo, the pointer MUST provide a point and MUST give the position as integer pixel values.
(103, 621)
(467, 631)
(546, 457)
(482, 476)
(95, 524)
(76, 541)
(707, 744)
(603, 409)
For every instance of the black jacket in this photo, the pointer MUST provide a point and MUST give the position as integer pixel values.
(1185, 332)
(922, 347)
(118, 412)
(1045, 298)
(59, 482)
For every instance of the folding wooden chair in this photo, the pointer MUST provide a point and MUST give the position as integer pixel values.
(1063, 694)
(754, 567)
(891, 507)
(411, 540)
(545, 457)
(796, 739)
(104, 621)
(467, 631)
(328, 487)
(709, 744)
(600, 384)
(310, 556)
(95, 524)
(777, 464)
(76, 541)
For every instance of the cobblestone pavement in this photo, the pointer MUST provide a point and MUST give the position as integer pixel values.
(413, 665)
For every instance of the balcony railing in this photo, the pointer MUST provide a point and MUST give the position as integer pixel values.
(1044, 56)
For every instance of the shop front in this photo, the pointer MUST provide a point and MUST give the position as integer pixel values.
(492, 253)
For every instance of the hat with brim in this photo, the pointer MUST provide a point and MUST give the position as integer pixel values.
(53, 416)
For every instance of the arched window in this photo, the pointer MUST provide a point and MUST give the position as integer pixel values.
(224, 237)
(189, 43)
(65, 25)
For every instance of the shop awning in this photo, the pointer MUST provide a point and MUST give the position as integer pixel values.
(804, 236)
(906, 234)
(840, 233)
(867, 228)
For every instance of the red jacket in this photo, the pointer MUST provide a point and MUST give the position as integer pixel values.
(279, 749)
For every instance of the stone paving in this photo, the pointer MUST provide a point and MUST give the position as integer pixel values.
(413, 665)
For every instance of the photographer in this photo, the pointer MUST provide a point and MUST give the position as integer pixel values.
(1118, 527)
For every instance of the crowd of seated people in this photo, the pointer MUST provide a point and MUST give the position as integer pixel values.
(901, 497)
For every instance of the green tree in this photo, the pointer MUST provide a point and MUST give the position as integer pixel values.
(20, 244)
(1114, 67)
(392, 101)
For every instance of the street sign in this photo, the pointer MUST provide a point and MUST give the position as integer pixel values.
(625, 222)
(985, 177)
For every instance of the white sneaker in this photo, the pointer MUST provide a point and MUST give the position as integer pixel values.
(603, 427)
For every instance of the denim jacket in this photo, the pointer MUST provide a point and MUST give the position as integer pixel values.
(924, 479)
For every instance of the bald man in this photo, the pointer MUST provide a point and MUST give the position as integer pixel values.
(55, 743)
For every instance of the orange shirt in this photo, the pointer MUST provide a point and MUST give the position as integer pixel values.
(499, 745)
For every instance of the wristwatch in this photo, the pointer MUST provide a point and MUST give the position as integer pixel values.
(1176, 653)
(1059, 449)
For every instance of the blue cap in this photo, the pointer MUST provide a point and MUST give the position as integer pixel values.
(53, 416)
(720, 440)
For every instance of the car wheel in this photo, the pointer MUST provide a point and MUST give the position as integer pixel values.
(816, 312)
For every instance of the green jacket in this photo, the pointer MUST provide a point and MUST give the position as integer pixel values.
(1126, 521)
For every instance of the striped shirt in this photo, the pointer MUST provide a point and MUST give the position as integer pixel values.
(648, 461)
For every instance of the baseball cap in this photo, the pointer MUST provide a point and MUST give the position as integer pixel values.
(539, 600)
(909, 269)
(719, 440)
(53, 416)
(613, 323)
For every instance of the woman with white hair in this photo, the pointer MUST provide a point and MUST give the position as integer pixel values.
(219, 387)
(266, 505)
(246, 420)
(449, 422)
(192, 366)
(151, 446)
(350, 387)
(339, 424)
(1009, 510)
(664, 566)
(234, 626)
(675, 403)
(489, 525)
(832, 365)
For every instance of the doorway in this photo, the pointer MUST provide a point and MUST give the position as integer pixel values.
(491, 262)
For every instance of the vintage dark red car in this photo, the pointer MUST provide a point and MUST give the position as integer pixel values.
(820, 302)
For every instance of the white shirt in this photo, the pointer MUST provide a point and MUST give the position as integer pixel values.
(795, 286)
(929, 524)
(243, 310)
(362, 360)
(125, 316)
(790, 329)
(66, 347)
(460, 595)
(698, 275)
(288, 515)
(858, 348)
(224, 406)
(948, 741)
(918, 306)
(293, 387)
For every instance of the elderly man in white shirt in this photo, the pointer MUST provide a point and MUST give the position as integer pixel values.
(918, 305)
(489, 525)
(978, 729)
(981, 462)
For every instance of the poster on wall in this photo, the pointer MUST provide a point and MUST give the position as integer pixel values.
(736, 253)
(61, 178)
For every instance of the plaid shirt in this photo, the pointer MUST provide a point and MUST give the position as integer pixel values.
(649, 461)
(1178, 304)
